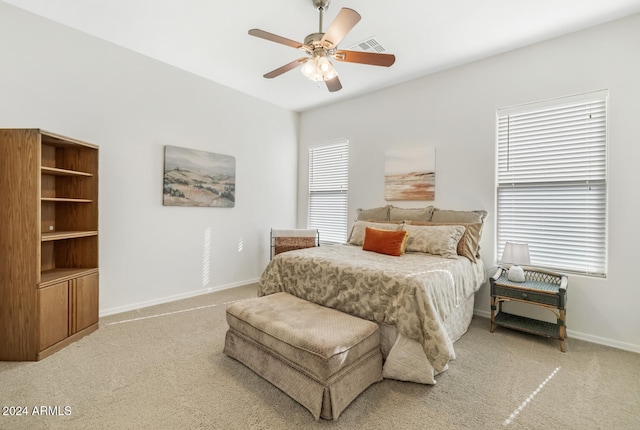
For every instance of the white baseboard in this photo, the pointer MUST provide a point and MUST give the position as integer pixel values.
(603, 341)
(481, 313)
(139, 305)
(582, 336)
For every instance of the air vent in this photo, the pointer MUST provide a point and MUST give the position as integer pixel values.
(369, 44)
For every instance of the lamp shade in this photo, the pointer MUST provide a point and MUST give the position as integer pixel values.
(516, 253)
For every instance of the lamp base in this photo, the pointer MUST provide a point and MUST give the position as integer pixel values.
(516, 274)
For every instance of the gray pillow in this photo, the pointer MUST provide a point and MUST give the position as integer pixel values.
(373, 214)
(442, 215)
(412, 214)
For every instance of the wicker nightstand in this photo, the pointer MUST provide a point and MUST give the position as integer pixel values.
(541, 288)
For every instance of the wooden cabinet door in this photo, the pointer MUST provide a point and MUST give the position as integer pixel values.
(86, 301)
(53, 308)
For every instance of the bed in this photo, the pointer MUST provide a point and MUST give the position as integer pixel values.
(422, 298)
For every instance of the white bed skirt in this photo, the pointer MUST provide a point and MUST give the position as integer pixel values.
(405, 360)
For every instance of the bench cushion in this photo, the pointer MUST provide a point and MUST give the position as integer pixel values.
(320, 340)
(324, 346)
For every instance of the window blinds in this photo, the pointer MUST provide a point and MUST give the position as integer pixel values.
(552, 191)
(328, 190)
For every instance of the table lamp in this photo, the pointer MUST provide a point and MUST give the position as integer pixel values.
(516, 254)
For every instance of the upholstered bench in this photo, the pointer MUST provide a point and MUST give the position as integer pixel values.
(320, 357)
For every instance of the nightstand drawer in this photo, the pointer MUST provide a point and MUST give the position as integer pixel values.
(527, 295)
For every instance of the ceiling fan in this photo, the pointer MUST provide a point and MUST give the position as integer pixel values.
(321, 47)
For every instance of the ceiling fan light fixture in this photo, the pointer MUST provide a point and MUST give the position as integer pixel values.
(319, 68)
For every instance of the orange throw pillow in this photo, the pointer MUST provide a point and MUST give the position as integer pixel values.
(390, 242)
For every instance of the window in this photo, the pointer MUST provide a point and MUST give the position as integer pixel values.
(552, 189)
(328, 189)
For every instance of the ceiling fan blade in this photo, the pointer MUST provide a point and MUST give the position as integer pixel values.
(333, 84)
(286, 68)
(275, 38)
(371, 58)
(344, 22)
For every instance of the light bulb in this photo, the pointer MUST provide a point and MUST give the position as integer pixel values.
(309, 68)
(330, 74)
(324, 64)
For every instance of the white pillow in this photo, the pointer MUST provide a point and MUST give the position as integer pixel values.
(359, 228)
(434, 239)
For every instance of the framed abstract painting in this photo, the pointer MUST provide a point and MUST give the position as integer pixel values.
(410, 173)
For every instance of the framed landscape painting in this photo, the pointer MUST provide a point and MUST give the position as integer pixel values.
(198, 178)
(410, 174)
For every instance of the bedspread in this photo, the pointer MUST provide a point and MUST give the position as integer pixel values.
(414, 292)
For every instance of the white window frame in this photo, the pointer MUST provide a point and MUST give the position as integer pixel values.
(551, 184)
(328, 189)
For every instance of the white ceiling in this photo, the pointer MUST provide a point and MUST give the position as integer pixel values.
(209, 37)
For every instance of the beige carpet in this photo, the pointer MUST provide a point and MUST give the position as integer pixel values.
(162, 368)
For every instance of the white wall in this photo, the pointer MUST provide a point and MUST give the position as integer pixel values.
(455, 111)
(67, 82)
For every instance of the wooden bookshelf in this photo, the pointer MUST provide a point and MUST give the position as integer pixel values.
(49, 220)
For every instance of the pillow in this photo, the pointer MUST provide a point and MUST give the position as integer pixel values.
(377, 214)
(413, 214)
(469, 245)
(441, 215)
(434, 239)
(385, 241)
(357, 232)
